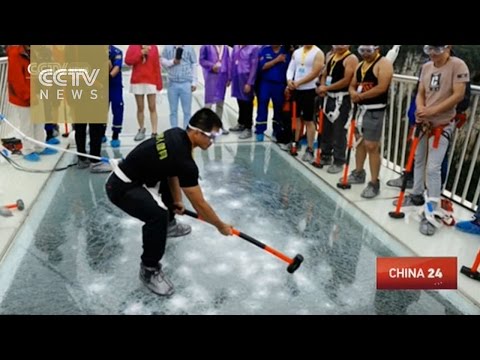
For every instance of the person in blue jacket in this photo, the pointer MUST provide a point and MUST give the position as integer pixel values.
(272, 81)
(115, 56)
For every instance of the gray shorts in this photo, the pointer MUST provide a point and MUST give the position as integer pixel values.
(372, 126)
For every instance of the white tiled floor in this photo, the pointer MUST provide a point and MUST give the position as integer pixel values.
(15, 184)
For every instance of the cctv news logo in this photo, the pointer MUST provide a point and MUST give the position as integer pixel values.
(58, 78)
(69, 83)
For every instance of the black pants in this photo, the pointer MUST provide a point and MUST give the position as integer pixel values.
(136, 201)
(96, 132)
(334, 136)
(245, 113)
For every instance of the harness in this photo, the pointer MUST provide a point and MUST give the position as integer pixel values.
(338, 98)
(442, 214)
(362, 109)
(437, 132)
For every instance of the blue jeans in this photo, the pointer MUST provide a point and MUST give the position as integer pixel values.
(180, 91)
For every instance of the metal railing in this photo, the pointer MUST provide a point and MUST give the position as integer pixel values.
(4, 104)
(463, 171)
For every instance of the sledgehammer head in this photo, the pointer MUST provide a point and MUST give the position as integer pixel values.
(297, 261)
(20, 205)
(475, 275)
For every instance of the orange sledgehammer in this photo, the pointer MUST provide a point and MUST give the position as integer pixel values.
(5, 210)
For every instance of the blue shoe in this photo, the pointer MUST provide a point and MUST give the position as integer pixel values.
(48, 151)
(104, 139)
(470, 227)
(260, 137)
(32, 157)
(115, 143)
(53, 141)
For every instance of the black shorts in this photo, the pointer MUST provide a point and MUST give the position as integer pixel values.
(305, 104)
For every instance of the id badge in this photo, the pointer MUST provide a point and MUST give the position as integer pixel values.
(301, 71)
(359, 89)
(328, 81)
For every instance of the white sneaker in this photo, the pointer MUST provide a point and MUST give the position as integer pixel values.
(176, 229)
(140, 135)
(308, 156)
(100, 167)
(246, 134)
(155, 280)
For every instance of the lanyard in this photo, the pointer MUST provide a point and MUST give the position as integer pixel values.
(237, 54)
(364, 71)
(334, 62)
(220, 51)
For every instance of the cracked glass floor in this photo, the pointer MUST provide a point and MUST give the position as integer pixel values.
(83, 255)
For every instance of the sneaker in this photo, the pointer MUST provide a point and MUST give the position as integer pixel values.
(356, 177)
(469, 227)
(326, 161)
(225, 131)
(371, 190)
(176, 229)
(411, 200)
(154, 135)
(246, 134)
(115, 143)
(399, 181)
(53, 141)
(308, 156)
(260, 137)
(48, 151)
(83, 163)
(284, 147)
(334, 168)
(100, 167)
(140, 135)
(34, 157)
(426, 228)
(155, 280)
(237, 128)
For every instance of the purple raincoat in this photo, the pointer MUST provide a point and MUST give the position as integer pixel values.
(244, 63)
(215, 83)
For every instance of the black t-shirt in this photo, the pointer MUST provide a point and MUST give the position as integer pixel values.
(167, 155)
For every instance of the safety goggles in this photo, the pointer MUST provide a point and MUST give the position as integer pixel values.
(434, 50)
(211, 135)
(367, 49)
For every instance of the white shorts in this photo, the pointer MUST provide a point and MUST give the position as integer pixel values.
(143, 89)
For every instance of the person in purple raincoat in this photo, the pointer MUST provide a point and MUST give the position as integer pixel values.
(244, 63)
(215, 63)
